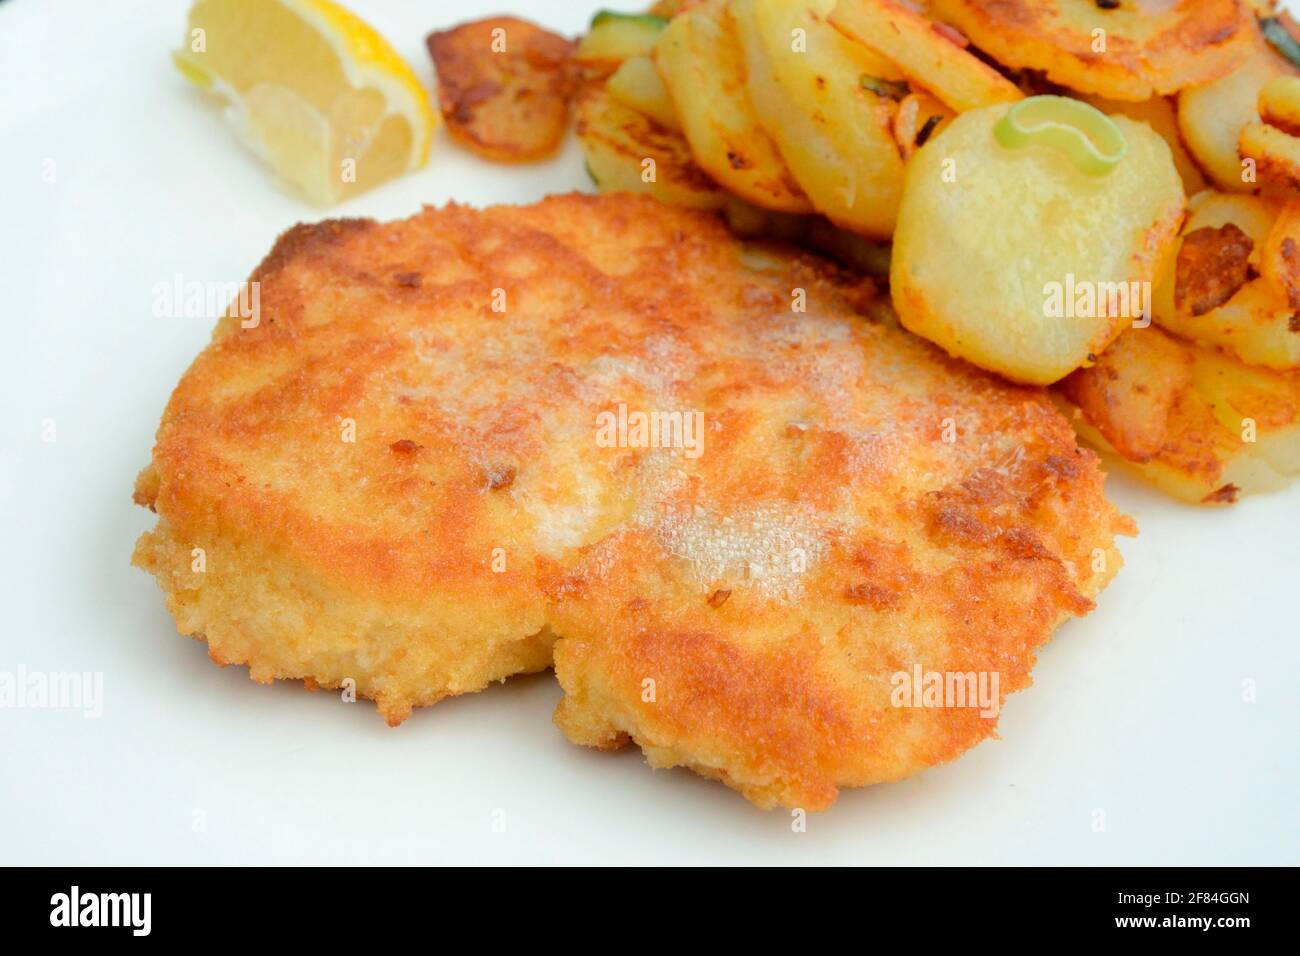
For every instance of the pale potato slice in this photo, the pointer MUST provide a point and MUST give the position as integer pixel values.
(1253, 215)
(637, 83)
(1161, 114)
(1196, 423)
(704, 69)
(1126, 51)
(806, 83)
(627, 151)
(613, 38)
(1279, 103)
(1213, 295)
(927, 56)
(1211, 116)
(1015, 260)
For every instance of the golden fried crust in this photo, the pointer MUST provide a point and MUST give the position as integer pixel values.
(1130, 52)
(859, 504)
(699, 638)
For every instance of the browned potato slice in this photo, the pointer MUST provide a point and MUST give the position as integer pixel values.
(927, 56)
(1276, 155)
(1130, 392)
(614, 38)
(703, 66)
(1227, 288)
(504, 87)
(1274, 145)
(1212, 116)
(808, 84)
(1280, 260)
(1127, 51)
(1198, 424)
(1279, 104)
(627, 151)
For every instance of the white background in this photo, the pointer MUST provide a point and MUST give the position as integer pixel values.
(1136, 711)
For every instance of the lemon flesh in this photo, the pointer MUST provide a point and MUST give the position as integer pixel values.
(312, 89)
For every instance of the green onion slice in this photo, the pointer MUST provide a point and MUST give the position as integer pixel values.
(651, 20)
(1276, 33)
(889, 89)
(1083, 133)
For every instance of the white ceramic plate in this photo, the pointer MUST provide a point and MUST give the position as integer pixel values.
(1138, 718)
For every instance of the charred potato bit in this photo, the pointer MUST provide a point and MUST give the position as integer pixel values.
(1212, 265)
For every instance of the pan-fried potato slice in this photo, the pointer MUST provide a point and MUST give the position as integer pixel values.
(627, 151)
(1274, 144)
(1128, 51)
(1198, 424)
(927, 56)
(1255, 326)
(1017, 261)
(1161, 115)
(1279, 104)
(835, 134)
(1275, 154)
(637, 84)
(1211, 117)
(504, 87)
(1280, 260)
(613, 38)
(704, 69)
(1229, 285)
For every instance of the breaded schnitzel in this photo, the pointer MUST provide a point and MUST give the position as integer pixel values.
(736, 506)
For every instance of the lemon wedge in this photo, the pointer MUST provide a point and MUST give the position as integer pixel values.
(313, 89)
